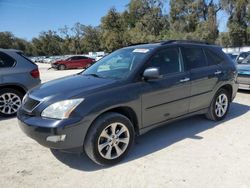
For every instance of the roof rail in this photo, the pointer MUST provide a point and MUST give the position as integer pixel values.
(133, 44)
(184, 41)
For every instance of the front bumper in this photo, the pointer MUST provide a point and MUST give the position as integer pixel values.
(73, 134)
(244, 82)
(244, 86)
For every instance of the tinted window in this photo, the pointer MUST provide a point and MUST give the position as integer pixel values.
(212, 57)
(244, 54)
(6, 61)
(167, 60)
(28, 59)
(82, 57)
(74, 58)
(193, 57)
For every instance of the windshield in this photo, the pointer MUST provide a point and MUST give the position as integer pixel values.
(246, 60)
(118, 65)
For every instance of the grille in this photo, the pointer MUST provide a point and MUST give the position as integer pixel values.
(29, 104)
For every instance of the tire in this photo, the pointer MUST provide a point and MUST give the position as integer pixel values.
(61, 67)
(215, 109)
(101, 147)
(10, 102)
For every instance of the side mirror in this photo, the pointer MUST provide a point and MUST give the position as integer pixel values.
(151, 73)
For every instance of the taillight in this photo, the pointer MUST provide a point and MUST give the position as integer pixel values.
(35, 73)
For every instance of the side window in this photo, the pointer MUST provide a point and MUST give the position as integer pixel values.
(213, 58)
(243, 55)
(82, 57)
(193, 57)
(167, 60)
(74, 58)
(6, 61)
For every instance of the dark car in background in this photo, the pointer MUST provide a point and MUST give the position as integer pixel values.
(73, 62)
(18, 74)
(128, 93)
(244, 74)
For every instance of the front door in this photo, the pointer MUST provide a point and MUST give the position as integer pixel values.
(167, 97)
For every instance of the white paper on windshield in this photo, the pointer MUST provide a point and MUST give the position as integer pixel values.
(141, 50)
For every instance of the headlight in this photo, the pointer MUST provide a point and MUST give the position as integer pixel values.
(61, 109)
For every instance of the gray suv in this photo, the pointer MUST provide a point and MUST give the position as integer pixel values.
(128, 93)
(18, 74)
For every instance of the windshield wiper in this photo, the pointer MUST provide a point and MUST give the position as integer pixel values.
(94, 75)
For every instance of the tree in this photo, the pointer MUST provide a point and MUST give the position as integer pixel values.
(113, 29)
(184, 15)
(196, 19)
(238, 21)
(6, 39)
(48, 43)
(77, 36)
(92, 39)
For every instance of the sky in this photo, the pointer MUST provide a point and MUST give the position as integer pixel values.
(27, 18)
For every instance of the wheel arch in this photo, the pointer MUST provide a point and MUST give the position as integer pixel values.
(123, 110)
(229, 89)
(16, 87)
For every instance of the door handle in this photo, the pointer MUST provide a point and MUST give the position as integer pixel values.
(185, 80)
(217, 72)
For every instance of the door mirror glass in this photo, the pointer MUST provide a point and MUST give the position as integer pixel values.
(151, 73)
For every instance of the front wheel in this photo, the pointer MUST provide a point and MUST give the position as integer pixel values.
(219, 106)
(109, 139)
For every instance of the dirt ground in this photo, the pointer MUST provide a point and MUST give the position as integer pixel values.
(190, 153)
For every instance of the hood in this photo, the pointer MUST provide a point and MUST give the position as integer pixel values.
(71, 86)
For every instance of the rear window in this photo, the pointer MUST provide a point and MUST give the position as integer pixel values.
(25, 57)
(213, 58)
(6, 61)
(193, 57)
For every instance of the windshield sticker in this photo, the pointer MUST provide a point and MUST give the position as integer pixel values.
(141, 50)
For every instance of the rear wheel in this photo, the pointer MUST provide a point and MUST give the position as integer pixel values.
(61, 67)
(10, 102)
(109, 139)
(219, 106)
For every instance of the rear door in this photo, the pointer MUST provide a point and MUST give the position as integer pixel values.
(74, 62)
(167, 97)
(84, 61)
(205, 73)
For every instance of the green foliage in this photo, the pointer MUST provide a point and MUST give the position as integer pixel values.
(144, 21)
(239, 20)
(113, 29)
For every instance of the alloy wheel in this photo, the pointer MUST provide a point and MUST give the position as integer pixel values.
(221, 105)
(113, 141)
(9, 103)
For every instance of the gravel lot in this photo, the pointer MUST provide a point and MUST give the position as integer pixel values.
(190, 153)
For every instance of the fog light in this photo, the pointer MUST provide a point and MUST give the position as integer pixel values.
(56, 138)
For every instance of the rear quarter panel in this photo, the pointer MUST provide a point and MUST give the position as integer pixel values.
(19, 74)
